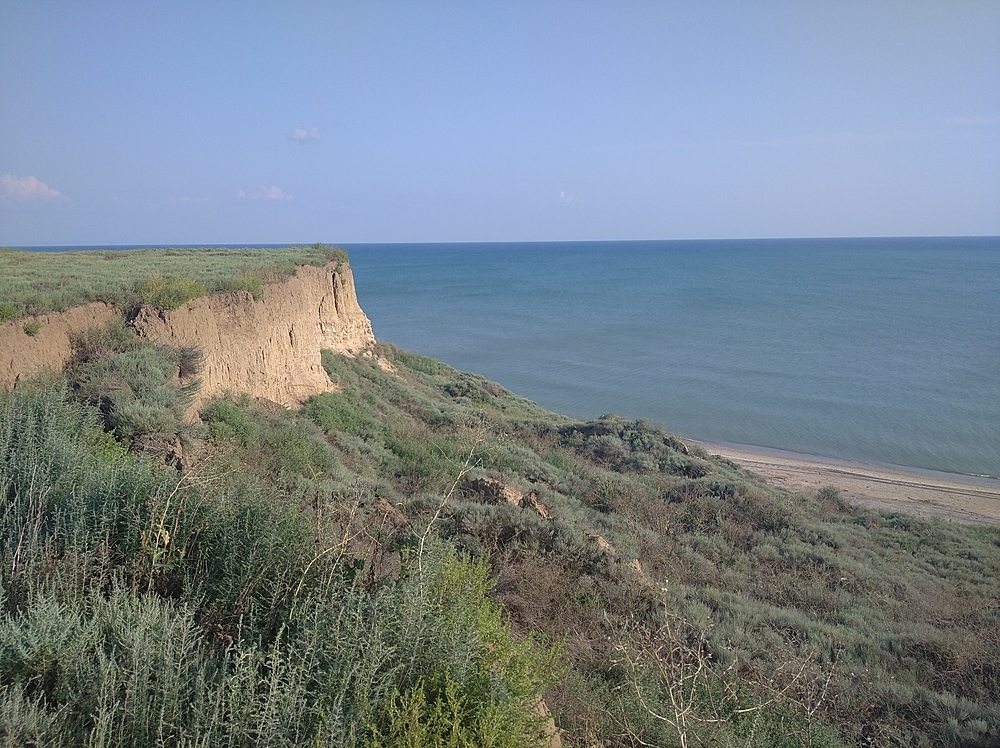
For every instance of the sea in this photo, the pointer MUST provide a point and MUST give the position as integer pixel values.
(883, 351)
(879, 350)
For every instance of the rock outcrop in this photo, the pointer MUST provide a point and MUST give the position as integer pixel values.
(493, 491)
(266, 349)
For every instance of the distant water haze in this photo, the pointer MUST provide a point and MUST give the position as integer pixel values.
(881, 350)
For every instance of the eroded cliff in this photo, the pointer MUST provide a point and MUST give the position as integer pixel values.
(267, 348)
(49, 347)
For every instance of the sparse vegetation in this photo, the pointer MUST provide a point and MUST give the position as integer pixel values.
(420, 556)
(38, 282)
(8, 311)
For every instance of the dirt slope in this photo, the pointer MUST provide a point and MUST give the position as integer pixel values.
(22, 355)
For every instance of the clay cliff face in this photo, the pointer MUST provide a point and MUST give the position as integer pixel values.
(267, 349)
(23, 355)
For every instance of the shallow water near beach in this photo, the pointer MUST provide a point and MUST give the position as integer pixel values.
(881, 350)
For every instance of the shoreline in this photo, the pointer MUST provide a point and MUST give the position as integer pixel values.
(966, 499)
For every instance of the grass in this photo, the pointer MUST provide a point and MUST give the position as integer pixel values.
(33, 283)
(823, 623)
(137, 609)
(343, 575)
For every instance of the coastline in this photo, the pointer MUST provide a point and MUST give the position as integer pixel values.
(924, 493)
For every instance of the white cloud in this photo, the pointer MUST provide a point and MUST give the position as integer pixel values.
(27, 187)
(567, 198)
(302, 136)
(265, 193)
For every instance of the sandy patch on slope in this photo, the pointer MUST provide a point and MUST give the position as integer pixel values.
(958, 498)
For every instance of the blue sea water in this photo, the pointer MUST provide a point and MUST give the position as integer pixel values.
(880, 350)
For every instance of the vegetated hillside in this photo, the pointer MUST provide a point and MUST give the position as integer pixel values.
(417, 557)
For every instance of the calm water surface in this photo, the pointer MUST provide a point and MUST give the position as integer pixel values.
(883, 350)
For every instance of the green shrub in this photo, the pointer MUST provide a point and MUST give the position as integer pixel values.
(422, 364)
(271, 444)
(476, 389)
(425, 463)
(101, 342)
(251, 282)
(32, 327)
(633, 446)
(832, 495)
(69, 490)
(295, 448)
(341, 411)
(132, 419)
(169, 293)
(474, 683)
(126, 671)
(331, 254)
(8, 310)
(138, 610)
(228, 421)
(132, 381)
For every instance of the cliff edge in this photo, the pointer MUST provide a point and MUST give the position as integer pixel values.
(50, 346)
(267, 348)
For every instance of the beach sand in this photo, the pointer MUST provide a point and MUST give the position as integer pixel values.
(969, 500)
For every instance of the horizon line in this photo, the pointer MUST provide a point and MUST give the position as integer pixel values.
(277, 245)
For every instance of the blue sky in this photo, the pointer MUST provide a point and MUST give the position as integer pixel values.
(209, 122)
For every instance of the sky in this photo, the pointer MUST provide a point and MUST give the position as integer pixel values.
(284, 122)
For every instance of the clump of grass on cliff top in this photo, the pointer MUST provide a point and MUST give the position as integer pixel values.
(169, 293)
(39, 282)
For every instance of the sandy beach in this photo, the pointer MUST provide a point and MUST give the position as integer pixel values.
(958, 498)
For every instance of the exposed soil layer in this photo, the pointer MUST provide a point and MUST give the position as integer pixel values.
(49, 348)
(270, 348)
